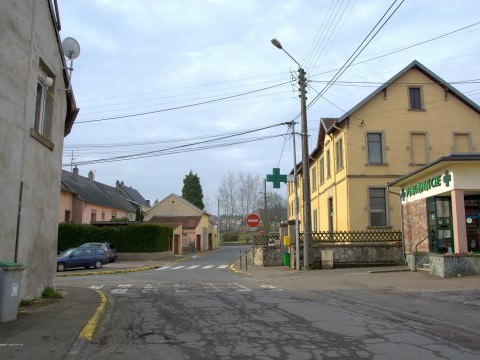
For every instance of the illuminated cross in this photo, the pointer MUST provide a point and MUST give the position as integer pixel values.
(276, 178)
(447, 178)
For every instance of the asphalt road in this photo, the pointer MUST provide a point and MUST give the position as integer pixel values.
(198, 309)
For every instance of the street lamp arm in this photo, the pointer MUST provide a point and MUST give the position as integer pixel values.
(278, 45)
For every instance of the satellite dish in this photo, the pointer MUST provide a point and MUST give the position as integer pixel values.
(71, 48)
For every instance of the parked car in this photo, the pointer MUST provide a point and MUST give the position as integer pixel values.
(82, 258)
(108, 247)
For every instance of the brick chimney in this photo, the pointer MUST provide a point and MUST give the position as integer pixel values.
(91, 175)
(75, 171)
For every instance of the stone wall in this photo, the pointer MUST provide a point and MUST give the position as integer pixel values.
(355, 254)
(415, 226)
(454, 265)
(265, 256)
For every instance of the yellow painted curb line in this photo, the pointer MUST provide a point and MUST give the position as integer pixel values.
(89, 329)
(109, 272)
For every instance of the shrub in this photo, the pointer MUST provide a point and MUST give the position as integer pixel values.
(126, 238)
(230, 236)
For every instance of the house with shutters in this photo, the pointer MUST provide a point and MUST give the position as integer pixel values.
(412, 119)
(193, 228)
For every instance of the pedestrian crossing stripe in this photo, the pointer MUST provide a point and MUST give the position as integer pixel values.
(192, 267)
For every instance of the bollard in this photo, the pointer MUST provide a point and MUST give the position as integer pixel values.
(246, 261)
(240, 259)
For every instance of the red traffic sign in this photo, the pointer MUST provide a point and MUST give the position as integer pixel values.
(253, 220)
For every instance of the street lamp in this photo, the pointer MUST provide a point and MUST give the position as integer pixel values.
(307, 212)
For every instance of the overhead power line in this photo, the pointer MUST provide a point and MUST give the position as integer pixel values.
(182, 106)
(185, 147)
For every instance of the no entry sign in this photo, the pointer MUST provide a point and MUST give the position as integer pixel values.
(253, 220)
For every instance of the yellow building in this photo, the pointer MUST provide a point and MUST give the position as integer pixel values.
(412, 119)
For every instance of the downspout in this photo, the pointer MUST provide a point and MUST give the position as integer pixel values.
(401, 225)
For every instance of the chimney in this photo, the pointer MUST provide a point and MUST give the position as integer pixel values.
(75, 171)
(148, 203)
(91, 176)
(117, 184)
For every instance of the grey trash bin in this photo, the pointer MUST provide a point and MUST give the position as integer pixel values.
(10, 281)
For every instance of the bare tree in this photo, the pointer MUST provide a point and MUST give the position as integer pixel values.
(247, 192)
(227, 198)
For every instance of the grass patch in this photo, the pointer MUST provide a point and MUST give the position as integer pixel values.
(50, 293)
(27, 302)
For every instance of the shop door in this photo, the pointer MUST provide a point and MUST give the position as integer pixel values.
(472, 215)
(440, 225)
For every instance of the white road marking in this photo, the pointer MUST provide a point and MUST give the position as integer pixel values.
(241, 287)
(163, 268)
(124, 285)
(149, 288)
(179, 287)
(222, 266)
(207, 266)
(270, 287)
(119, 291)
(192, 267)
(209, 287)
(98, 287)
(178, 267)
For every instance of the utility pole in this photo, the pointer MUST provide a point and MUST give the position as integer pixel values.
(266, 225)
(307, 208)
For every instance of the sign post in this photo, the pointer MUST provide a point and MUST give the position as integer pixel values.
(253, 220)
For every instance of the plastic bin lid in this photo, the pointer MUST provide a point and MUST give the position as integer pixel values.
(6, 264)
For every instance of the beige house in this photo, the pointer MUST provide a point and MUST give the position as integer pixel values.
(37, 112)
(193, 229)
(412, 119)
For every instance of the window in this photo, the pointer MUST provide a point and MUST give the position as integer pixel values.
(378, 207)
(114, 214)
(375, 148)
(322, 170)
(415, 96)
(314, 178)
(93, 216)
(329, 173)
(315, 221)
(339, 154)
(462, 142)
(67, 216)
(43, 105)
(103, 215)
(418, 148)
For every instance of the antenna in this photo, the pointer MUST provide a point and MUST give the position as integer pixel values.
(71, 50)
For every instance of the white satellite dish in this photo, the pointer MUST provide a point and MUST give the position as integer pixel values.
(71, 48)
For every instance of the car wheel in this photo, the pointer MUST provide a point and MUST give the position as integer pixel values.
(98, 264)
(60, 266)
(112, 260)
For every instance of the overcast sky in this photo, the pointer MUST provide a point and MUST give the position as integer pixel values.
(200, 70)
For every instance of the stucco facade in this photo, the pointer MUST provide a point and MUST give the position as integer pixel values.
(36, 113)
(413, 118)
(191, 225)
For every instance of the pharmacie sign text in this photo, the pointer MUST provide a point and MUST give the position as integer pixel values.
(422, 186)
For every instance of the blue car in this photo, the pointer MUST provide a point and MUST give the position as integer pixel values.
(82, 258)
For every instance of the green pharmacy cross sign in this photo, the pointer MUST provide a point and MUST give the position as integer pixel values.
(276, 178)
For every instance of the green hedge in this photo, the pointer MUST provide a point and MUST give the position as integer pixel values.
(125, 238)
